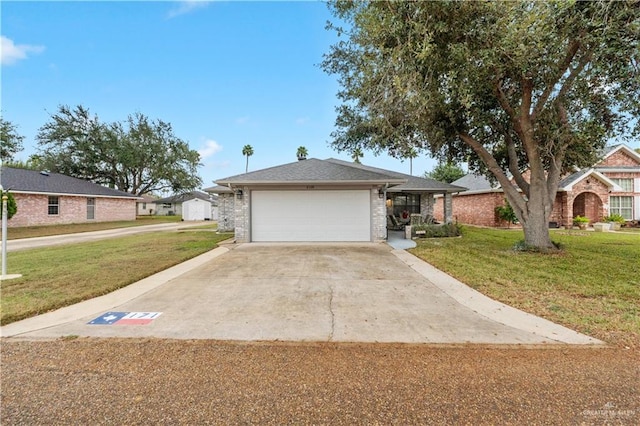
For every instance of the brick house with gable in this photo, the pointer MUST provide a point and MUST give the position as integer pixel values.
(45, 198)
(611, 186)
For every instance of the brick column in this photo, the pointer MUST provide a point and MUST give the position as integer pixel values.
(448, 208)
(242, 225)
(427, 202)
(378, 216)
(226, 213)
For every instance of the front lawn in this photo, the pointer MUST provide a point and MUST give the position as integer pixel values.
(44, 231)
(593, 286)
(58, 276)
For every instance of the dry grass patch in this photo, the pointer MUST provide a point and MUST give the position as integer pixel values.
(59, 276)
(592, 286)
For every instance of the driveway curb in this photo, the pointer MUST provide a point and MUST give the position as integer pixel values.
(492, 309)
(107, 301)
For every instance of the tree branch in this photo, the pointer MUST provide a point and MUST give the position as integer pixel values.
(513, 164)
(496, 170)
(527, 90)
(586, 58)
(572, 49)
(557, 158)
(502, 99)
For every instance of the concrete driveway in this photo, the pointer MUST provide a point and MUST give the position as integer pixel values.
(303, 292)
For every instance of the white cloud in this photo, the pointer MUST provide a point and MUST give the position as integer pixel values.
(242, 120)
(185, 7)
(210, 148)
(302, 121)
(12, 53)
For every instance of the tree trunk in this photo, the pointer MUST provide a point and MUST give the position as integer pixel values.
(536, 230)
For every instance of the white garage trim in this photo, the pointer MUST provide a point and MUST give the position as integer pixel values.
(314, 215)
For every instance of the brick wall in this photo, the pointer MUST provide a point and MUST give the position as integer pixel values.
(242, 219)
(559, 213)
(588, 198)
(226, 212)
(378, 216)
(473, 209)
(33, 210)
(427, 204)
(621, 159)
(618, 159)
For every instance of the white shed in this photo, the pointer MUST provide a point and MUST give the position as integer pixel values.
(196, 209)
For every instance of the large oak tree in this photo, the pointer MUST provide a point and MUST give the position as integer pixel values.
(521, 91)
(10, 140)
(138, 156)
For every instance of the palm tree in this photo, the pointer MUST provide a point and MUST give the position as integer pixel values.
(302, 153)
(411, 154)
(247, 151)
(356, 154)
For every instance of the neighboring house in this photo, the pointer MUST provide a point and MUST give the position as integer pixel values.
(193, 205)
(146, 205)
(611, 186)
(322, 200)
(45, 198)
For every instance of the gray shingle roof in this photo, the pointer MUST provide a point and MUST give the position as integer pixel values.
(218, 189)
(414, 183)
(147, 198)
(582, 174)
(181, 198)
(312, 171)
(572, 178)
(23, 180)
(475, 183)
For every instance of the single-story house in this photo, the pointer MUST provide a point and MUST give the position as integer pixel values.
(45, 198)
(611, 186)
(323, 200)
(146, 205)
(194, 205)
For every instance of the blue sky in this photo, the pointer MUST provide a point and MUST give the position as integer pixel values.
(224, 74)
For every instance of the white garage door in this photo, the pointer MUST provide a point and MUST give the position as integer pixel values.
(311, 215)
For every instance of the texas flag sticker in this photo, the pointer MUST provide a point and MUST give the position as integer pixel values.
(125, 318)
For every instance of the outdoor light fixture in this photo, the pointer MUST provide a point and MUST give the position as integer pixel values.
(239, 194)
(380, 193)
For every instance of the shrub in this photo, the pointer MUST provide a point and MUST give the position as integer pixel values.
(437, 231)
(580, 219)
(506, 213)
(12, 207)
(614, 218)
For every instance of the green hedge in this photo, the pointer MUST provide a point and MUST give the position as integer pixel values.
(436, 231)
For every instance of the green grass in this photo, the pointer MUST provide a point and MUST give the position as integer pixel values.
(592, 286)
(59, 276)
(627, 229)
(44, 231)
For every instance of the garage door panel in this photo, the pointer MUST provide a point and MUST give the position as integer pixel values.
(311, 215)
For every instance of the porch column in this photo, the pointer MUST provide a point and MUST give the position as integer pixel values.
(426, 205)
(567, 219)
(448, 208)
